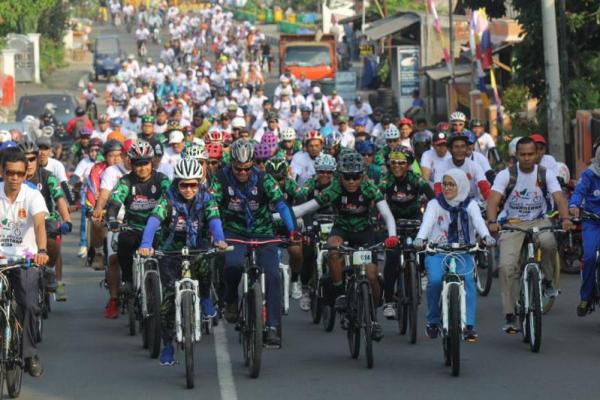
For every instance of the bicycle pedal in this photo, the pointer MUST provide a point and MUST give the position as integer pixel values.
(272, 347)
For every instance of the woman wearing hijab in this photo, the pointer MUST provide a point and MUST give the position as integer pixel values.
(451, 217)
(587, 191)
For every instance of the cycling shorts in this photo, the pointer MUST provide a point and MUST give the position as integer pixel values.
(363, 238)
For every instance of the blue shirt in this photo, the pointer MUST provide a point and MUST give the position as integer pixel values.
(588, 191)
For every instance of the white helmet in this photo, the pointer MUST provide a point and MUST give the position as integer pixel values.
(512, 146)
(325, 162)
(391, 133)
(563, 172)
(188, 168)
(238, 122)
(5, 136)
(197, 152)
(288, 133)
(458, 116)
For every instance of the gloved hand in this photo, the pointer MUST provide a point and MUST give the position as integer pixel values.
(489, 241)
(295, 236)
(113, 225)
(419, 244)
(391, 242)
(66, 227)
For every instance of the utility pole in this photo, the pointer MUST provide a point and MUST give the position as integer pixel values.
(556, 134)
(451, 52)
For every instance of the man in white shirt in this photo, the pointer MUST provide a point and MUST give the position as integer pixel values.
(303, 162)
(174, 152)
(53, 165)
(432, 159)
(103, 129)
(543, 159)
(359, 109)
(141, 36)
(23, 234)
(305, 123)
(347, 133)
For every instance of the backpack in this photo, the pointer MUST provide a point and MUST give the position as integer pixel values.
(541, 182)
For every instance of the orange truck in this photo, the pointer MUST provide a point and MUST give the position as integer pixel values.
(305, 55)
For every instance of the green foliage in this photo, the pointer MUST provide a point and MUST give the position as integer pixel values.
(395, 6)
(52, 56)
(514, 99)
(494, 8)
(53, 22)
(22, 16)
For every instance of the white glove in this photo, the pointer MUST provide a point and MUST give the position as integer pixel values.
(419, 244)
(489, 241)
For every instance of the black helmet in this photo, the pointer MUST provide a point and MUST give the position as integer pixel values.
(421, 142)
(28, 147)
(133, 112)
(476, 123)
(112, 145)
(79, 111)
(458, 136)
(277, 167)
(351, 162)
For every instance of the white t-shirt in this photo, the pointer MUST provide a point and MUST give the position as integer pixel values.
(481, 160)
(526, 201)
(550, 164)
(57, 168)
(485, 143)
(303, 167)
(474, 174)
(82, 170)
(432, 161)
(17, 234)
(111, 175)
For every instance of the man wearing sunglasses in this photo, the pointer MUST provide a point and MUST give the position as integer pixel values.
(352, 196)
(244, 195)
(58, 208)
(23, 211)
(303, 163)
(138, 192)
(366, 149)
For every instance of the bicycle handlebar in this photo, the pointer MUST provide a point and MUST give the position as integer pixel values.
(350, 249)
(191, 252)
(256, 242)
(533, 230)
(589, 215)
(434, 248)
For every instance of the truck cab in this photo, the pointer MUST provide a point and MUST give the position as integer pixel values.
(309, 55)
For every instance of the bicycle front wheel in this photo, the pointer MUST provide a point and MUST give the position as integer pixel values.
(255, 329)
(366, 321)
(131, 313)
(187, 318)
(484, 272)
(152, 321)
(534, 314)
(412, 286)
(316, 304)
(353, 314)
(14, 361)
(402, 301)
(454, 331)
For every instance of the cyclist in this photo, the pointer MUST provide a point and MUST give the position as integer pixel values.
(587, 192)
(103, 129)
(452, 217)
(53, 165)
(333, 144)
(303, 162)
(244, 195)
(458, 121)
(352, 195)
(184, 211)
(432, 159)
(421, 142)
(403, 190)
(58, 209)
(392, 139)
(23, 208)
(485, 143)
(524, 188)
(545, 160)
(138, 192)
(479, 158)
(79, 121)
(289, 144)
(366, 149)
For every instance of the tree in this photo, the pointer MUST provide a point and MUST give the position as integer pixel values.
(22, 16)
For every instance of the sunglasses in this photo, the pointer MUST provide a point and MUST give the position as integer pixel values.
(352, 177)
(395, 162)
(213, 162)
(32, 159)
(20, 174)
(140, 163)
(239, 169)
(187, 185)
(325, 172)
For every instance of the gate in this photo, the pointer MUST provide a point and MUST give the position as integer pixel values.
(24, 62)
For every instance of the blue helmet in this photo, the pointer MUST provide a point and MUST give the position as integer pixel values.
(8, 144)
(361, 121)
(471, 138)
(326, 131)
(365, 147)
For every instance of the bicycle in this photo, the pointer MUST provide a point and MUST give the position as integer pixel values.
(43, 302)
(148, 298)
(188, 322)
(360, 314)
(453, 300)
(485, 263)
(252, 316)
(408, 285)
(530, 303)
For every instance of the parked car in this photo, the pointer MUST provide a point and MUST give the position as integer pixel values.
(107, 56)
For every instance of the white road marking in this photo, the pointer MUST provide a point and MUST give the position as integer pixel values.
(224, 371)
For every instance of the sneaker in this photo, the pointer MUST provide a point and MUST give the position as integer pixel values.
(305, 301)
(112, 309)
(34, 366)
(296, 290)
(432, 331)
(469, 334)
(82, 253)
(231, 313)
(511, 326)
(60, 294)
(340, 303)
(167, 355)
(548, 289)
(208, 308)
(389, 311)
(50, 277)
(583, 308)
(98, 262)
(272, 338)
(376, 332)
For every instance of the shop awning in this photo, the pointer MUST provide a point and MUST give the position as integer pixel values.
(390, 25)
(442, 72)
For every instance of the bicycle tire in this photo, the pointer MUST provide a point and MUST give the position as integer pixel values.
(534, 316)
(484, 272)
(353, 328)
(366, 321)
(328, 317)
(524, 327)
(131, 314)
(256, 330)
(14, 370)
(401, 306)
(187, 318)
(152, 322)
(413, 297)
(243, 323)
(548, 302)
(316, 303)
(454, 331)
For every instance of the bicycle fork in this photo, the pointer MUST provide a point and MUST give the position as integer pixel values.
(189, 285)
(525, 284)
(445, 304)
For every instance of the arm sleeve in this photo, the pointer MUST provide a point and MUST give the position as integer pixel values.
(149, 231)
(286, 215)
(387, 216)
(580, 191)
(306, 208)
(428, 220)
(216, 228)
(477, 220)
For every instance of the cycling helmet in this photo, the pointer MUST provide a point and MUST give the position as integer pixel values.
(421, 142)
(333, 141)
(288, 134)
(458, 116)
(270, 139)
(214, 136)
(313, 135)
(263, 151)
(214, 150)
(7, 145)
(95, 142)
(196, 152)
(5, 136)
(361, 121)
(563, 172)
(401, 153)
(325, 162)
(512, 146)
(457, 136)
(242, 151)
(79, 111)
(188, 168)
(351, 162)
(28, 147)
(140, 150)
(117, 121)
(476, 123)
(305, 108)
(148, 119)
(405, 121)
(238, 122)
(471, 138)
(442, 127)
(133, 112)
(85, 132)
(365, 147)
(391, 133)
(106, 118)
(277, 167)
(112, 145)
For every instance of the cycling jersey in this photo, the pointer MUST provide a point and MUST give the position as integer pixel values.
(48, 185)
(402, 194)
(93, 184)
(282, 152)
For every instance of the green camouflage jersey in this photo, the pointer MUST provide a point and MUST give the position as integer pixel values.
(281, 153)
(173, 229)
(250, 216)
(50, 188)
(139, 198)
(402, 194)
(353, 208)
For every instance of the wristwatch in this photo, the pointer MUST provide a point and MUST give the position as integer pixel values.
(492, 222)
(42, 251)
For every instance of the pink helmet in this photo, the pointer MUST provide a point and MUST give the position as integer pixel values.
(270, 139)
(263, 151)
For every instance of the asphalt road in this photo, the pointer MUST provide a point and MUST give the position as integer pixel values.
(88, 357)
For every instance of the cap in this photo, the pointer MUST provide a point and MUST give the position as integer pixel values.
(440, 138)
(343, 118)
(116, 135)
(44, 141)
(358, 99)
(176, 137)
(127, 145)
(537, 138)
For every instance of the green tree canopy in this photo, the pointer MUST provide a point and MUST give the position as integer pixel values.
(22, 16)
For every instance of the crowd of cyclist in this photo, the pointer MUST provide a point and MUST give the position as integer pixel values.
(192, 154)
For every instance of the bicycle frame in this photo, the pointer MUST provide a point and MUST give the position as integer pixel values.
(451, 278)
(187, 284)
